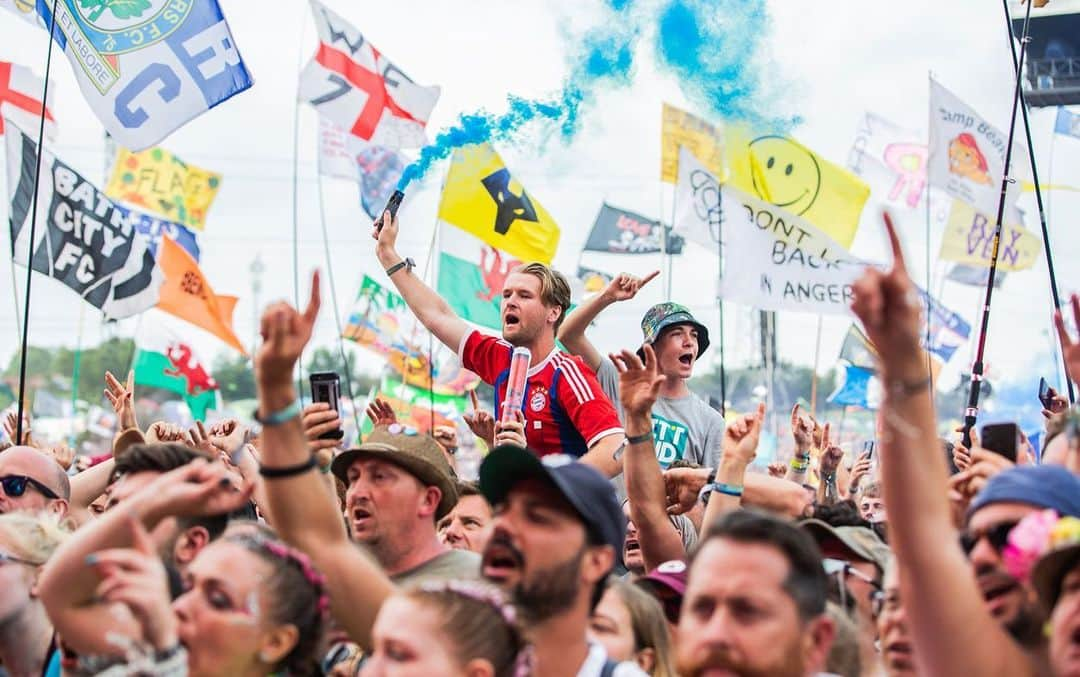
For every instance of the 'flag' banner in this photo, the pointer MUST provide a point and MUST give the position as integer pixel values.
(157, 181)
(680, 129)
(617, 231)
(352, 83)
(147, 67)
(83, 238)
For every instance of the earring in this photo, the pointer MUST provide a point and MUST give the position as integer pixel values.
(264, 658)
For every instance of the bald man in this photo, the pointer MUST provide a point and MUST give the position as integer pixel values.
(32, 481)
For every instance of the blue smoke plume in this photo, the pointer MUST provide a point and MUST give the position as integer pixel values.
(711, 46)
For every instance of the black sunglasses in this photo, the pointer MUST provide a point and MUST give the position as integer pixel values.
(997, 535)
(15, 486)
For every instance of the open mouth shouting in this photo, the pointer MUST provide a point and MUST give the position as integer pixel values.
(360, 518)
(511, 319)
(687, 359)
(502, 562)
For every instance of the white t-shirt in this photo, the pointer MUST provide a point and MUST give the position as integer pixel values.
(594, 665)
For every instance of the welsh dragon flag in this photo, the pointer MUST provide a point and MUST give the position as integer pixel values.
(471, 277)
(165, 359)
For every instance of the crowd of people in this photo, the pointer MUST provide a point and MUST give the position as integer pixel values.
(616, 527)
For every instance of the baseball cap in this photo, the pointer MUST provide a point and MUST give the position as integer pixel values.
(405, 447)
(1043, 486)
(668, 314)
(861, 541)
(588, 491)
(667, 583)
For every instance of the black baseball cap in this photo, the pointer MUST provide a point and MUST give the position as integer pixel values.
(584, 487)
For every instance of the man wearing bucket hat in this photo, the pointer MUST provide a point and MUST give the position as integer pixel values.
(684, 425)
(398, 485)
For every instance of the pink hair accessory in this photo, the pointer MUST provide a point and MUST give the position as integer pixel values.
(311, 574)
(1028, 540)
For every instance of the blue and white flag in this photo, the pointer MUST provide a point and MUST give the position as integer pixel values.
(1067, 123)
(154, 229)
(858, 387)
(948, 331)
(147, 67)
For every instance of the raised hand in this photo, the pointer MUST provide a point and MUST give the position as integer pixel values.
(889, 307)
(285, 332)
(136, 578)
(162, 431)
(777, 469)
(741, 437)
(11, 427)
(1070, 350)
(200, 439)
(122, 398)
(385, 231)
(625, 286)
(62, 454)
(1059, 404)
(381, 412)
(319, 418)
(639, 384)
(682, 486)
(229, 435)
(511, 432)
(802, 429)
(480, 422)
(858, 471)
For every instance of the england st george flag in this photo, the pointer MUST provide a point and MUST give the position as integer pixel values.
(82, 238)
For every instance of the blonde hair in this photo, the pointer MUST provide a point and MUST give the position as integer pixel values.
(649, 625)
(554, 289)
(32, 536)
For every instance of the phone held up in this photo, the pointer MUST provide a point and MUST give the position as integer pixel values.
(1044, 394)
(326, 387)
(1001, 438)
(391, 206)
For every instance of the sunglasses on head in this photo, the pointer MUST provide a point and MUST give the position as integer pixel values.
(15, 486)
(998, 536)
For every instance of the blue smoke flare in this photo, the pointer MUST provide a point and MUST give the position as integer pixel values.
(711, 46)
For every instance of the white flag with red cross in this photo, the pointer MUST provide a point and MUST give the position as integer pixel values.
(350, 82)
(20, 100)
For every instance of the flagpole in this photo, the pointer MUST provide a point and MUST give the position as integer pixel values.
(814, 376)
(1017, 64)
(930, 300)
(296, 200)
(719, 296)
(972, 411)
(33, 228)
(334, 298)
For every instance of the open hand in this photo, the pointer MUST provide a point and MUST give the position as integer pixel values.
(122, 398)
(639, 384)
(381, 412)
(200, 439)
(11, 428)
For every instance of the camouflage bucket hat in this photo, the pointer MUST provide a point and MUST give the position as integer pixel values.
(669, 314)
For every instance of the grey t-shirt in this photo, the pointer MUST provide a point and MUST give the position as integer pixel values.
(683, 427)
(452, 565)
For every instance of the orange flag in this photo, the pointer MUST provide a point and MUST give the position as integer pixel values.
(187, 295)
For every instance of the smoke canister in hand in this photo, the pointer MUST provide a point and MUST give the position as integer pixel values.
(515, 383)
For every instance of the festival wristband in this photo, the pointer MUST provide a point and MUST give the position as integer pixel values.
(904, 389)
(280, 416)
(799, 466)
(288, 471)
(733, 490)
(639, 439)
(406, 263)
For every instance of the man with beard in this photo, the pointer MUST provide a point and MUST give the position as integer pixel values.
(755, 601)
(556, 532)
(565, 409)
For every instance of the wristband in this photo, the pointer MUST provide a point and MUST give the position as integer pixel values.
(828, 478)
(406, 263)
(903, 389)
(726, 489)
(280, 416)
(799, 466)
(288, 471)
(639, 439)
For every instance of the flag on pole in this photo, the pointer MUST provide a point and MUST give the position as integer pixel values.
(1067, 123)
(83, 239)
(858, 387)
(148, 67)
(974, 276)
(165, 359)
(481, 198)
(679, 129)
(618, 231)
(856, 349)
(187, 295)
(380, 170)
(352, 83)
(891, 160)
(472, 274)
(20, 100)
(969, 238)
(787, 174)
(34, 12)
(157, 181)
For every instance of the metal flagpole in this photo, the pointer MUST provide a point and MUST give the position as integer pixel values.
(1017, 64)
(814, 376)
(296, 199)
(334, 299)
(972, 411)
(33, 229)
(719, 297)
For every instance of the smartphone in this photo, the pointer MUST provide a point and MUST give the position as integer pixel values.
(1044, 393)
(1001, 438)
(868, 449)
(391, 206)
(326, 387)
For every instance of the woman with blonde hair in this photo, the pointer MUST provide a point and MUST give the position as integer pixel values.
(631, 626)
(27, 641)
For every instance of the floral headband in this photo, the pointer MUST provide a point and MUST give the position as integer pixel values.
(1034, 536)
(296, 558)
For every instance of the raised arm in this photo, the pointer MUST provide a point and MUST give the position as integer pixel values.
(572, 332)
(305, 514)
(739, 449)
(431, 309)
(802, 430)
(639, 386)
(944, 607)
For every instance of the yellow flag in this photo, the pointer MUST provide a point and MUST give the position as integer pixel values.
(159, 182)
(969, 238)
(782, 171)
(703, 139)
(481, 197)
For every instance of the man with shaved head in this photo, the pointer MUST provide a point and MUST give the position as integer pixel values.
(32, 481)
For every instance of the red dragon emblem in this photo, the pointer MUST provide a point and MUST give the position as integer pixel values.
(185, 364)
(495, 275)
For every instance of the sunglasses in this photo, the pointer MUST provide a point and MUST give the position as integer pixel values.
(15, 486)
(998, 536)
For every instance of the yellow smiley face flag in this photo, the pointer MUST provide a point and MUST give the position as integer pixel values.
(482, 198)
(159, 182)
(787, 174)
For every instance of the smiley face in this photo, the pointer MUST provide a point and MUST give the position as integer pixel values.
(785, 173)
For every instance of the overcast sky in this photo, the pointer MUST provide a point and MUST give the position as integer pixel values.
(831, 64)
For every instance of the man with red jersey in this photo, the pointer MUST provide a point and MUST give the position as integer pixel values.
(565, 410)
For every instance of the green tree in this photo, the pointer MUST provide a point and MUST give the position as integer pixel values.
(329, 359)
(235, 377)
